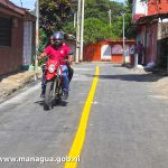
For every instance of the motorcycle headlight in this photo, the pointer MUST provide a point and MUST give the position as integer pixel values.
(51, 68)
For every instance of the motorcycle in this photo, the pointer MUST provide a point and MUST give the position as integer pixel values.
(54, 80)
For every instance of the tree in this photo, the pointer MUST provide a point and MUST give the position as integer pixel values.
(95, 29)
(129, 26)
(54, 14)
(99, 9)
(58, 14)
(97, 20)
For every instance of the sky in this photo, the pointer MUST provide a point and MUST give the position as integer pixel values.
(29, 4)
(119, 0)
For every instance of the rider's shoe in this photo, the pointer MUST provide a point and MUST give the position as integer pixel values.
(65, 95)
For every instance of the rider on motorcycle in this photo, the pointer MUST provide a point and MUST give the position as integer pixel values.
(58, 50)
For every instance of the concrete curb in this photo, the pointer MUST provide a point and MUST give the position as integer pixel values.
(11, 84)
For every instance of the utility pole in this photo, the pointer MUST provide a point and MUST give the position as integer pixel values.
(82, 29)
(78, 47)
(21, 3)
(109, 13)
(37, 37)
(123, 15)
(74, 20)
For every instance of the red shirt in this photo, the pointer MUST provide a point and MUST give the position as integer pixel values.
(58, 54)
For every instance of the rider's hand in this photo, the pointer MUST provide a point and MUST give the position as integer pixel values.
(70, 59)
(42, 55)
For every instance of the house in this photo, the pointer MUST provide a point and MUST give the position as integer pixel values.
(151, 20)
(142, 8)
(108, 50)
(153, 32)
(17, 37)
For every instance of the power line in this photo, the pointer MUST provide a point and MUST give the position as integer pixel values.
(21, 3)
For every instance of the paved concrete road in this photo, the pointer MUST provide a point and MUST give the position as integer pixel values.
(127, 127)
(28, 131)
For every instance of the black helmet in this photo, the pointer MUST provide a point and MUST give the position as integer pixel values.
(58, 38)
(59, 35)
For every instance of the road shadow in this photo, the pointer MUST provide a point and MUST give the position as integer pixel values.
(130, 77)
(117, 65)
(61, 103)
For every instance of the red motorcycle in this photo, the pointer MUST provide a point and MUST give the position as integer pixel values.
(53, 76)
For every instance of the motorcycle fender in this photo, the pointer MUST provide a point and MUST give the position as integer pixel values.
(49, 76)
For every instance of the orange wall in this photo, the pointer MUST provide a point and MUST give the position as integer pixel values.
(117, 59)
(157, 6)
(92, 52)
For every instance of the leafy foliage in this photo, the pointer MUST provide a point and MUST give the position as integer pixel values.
(54, 14)
(58, 14)
(130, 27)
(99, 9)
(69, 28)
(95, 29)
(97, 20)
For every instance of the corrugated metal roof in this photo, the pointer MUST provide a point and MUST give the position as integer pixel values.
(148, 19)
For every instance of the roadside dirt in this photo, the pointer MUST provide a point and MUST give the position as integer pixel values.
(158, 82)
(12, 83)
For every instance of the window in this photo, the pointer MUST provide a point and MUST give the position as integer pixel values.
(117, 49)
(5, 31)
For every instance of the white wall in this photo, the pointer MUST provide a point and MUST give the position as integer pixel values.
(27, 42)
(106, 52)
(139, 8)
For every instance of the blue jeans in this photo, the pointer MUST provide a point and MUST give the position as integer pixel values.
(65, 77)
(43, 80)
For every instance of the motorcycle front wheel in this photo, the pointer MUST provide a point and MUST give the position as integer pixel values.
(49, 95)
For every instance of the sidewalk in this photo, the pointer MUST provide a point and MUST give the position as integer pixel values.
(161, 88)
(10, 84)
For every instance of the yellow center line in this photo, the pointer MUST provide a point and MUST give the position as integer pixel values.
(79, 139)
